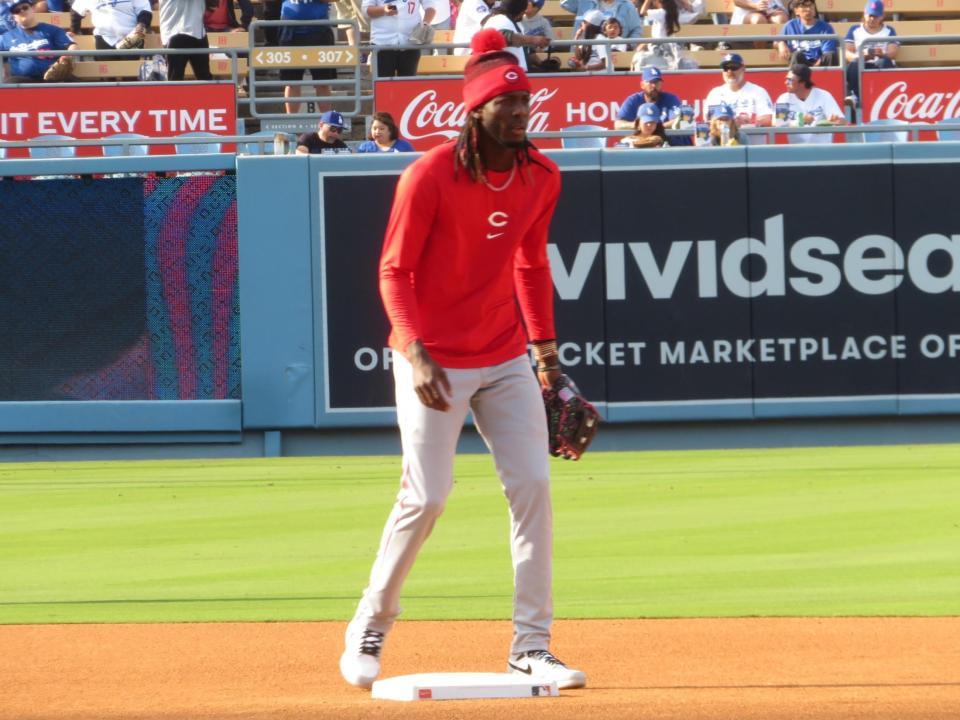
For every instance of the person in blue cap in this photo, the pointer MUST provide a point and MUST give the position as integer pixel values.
(723, 127)
(648, 129)
(873, 39)
(327, 137)
(651, 91)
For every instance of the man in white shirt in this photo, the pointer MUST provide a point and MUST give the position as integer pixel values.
(804, 104)
(506, 19)
(113, 21)
(181, 27)
(391, 23)
(469, 20)
(751, 104)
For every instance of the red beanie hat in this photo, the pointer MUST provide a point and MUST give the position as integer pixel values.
(491, 70)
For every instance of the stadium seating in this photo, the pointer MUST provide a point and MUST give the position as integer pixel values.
(197, 148)
(62, 151)
(122, 150)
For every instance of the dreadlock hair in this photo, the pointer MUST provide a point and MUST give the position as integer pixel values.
(467, 152)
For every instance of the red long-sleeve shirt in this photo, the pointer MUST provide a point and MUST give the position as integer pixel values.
(464, 268)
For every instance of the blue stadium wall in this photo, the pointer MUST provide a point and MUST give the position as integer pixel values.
(735, 284)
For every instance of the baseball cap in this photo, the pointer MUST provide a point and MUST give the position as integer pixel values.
(594, 17)
(652, 74)
(874, 8)
(722, 111)
(18, 3)
(538, 3)
(332, 117)
(648, 112)
(731, 59)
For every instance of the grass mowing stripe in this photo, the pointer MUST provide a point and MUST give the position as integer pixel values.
(827, 531)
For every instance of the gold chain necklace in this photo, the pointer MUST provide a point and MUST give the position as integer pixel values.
(506, 183)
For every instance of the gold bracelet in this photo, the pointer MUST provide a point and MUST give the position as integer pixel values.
(544, 348)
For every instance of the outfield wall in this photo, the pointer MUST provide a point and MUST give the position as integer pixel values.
(732, 284)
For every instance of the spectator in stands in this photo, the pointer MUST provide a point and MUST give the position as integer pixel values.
(816, 50)
(808, 105)
(306, 36)
(648, 130)
(327, 137)
(384, 136)
(51, 6)
(391, 23)
(469, 19)
(181, 27)
(31, 35)
(664, 19)
(534, 23)
(505, 18)
(271, 11)
(611, 30)
(117, 24)
(352, 10)
(587, 57)
(758, 12)
(724, 130)
(221, 16)
(652, 92)
(873, 39)
(750, 102)
(7, 22)
(441, 19)
(624, 10)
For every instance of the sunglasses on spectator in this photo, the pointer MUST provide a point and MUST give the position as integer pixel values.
(334, 128)
(17, 9)
(730, 68)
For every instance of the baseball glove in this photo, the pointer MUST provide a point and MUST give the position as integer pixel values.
(571, 420)
(133, 39)
(422, 34)
(61, 70)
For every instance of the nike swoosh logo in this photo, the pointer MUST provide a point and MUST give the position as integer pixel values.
(491, 236)
(526, 671)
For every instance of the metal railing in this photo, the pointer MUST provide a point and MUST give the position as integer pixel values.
(233, 55)
(258, 83)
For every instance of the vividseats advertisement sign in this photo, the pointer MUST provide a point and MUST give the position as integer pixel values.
(723, 290)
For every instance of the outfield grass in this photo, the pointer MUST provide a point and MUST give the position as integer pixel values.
(828, 531)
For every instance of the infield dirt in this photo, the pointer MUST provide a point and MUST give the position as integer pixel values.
(729, 669)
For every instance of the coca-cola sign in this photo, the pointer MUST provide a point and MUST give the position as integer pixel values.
(927, 95)
(430, 111)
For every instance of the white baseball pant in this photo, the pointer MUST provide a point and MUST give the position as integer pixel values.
(508, 410)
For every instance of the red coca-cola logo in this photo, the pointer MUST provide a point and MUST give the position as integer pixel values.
(429, 114)
(899, 102)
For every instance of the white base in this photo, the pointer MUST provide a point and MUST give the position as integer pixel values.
(461, 686)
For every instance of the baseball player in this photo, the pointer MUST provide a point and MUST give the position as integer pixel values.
(465, 281)
(751, 103)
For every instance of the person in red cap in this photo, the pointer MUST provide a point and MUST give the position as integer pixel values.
(466, 283)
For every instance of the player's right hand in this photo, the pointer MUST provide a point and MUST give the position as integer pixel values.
(430, 381)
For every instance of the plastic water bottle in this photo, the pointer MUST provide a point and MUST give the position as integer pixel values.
(724, 134)
(280, 144)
